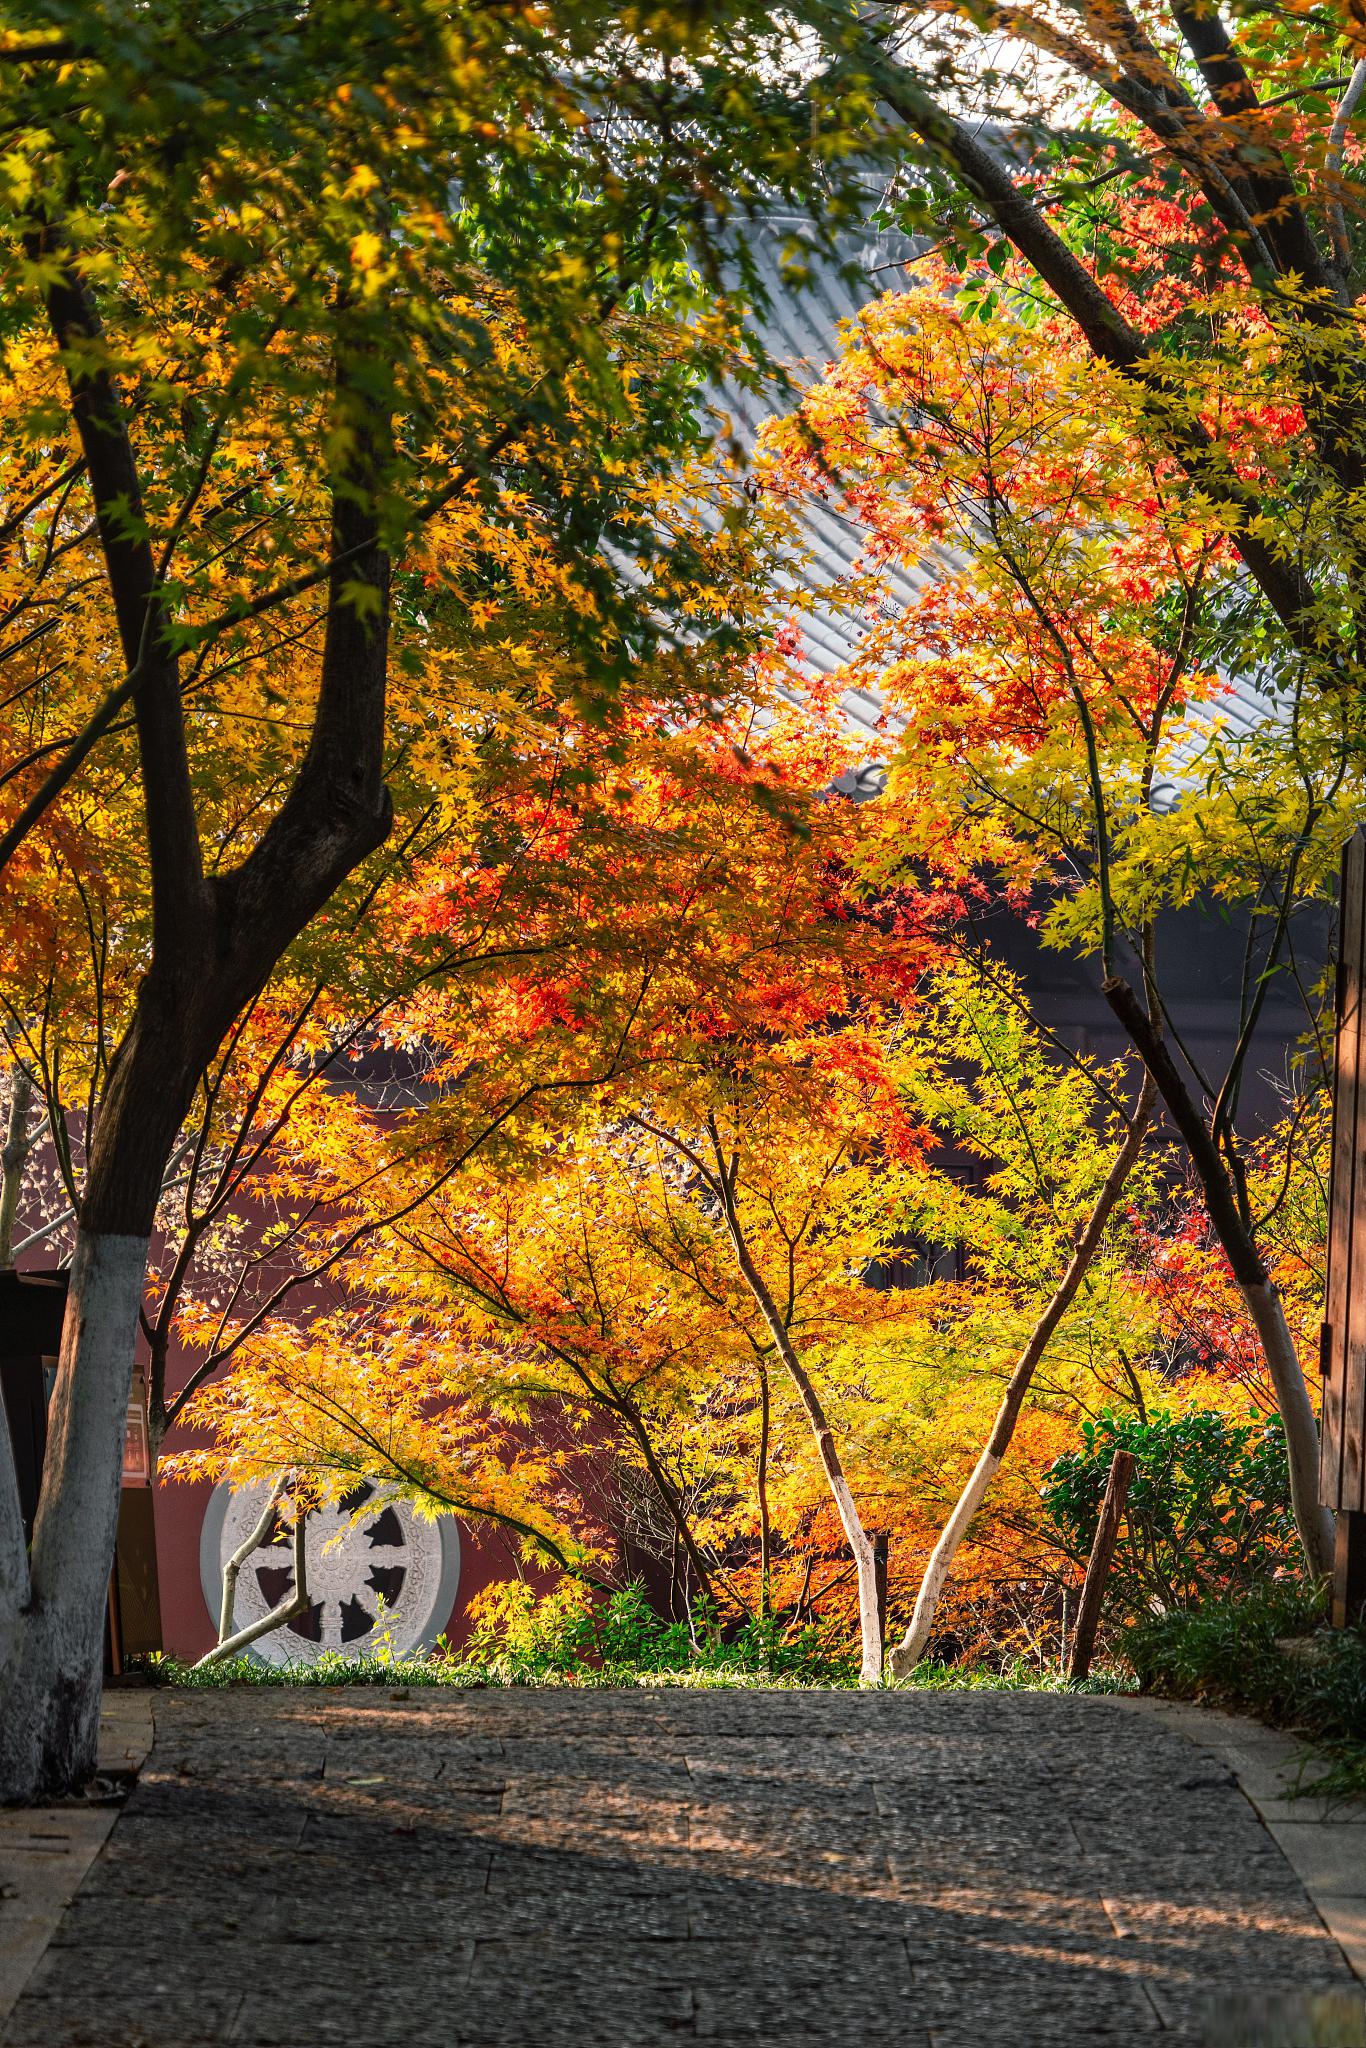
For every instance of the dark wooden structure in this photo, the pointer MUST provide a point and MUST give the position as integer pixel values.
(32, 1306)
(1342, 1472)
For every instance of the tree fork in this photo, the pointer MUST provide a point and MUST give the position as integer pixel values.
(911, 1648)
(233, 1568)
(280, 1615)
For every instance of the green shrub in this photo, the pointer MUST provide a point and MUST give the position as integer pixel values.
(527, 1638)
(1233, 1653)
(1208, 1511)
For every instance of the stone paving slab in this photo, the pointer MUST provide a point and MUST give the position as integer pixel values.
(45, 1852)
(626, 1870)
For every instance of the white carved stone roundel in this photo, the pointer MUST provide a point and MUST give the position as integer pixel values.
(379, 1580)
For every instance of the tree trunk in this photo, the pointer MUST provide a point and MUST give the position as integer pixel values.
(233, 1568)
(18, 1144)
(296, 1602)
(51, 1658)
(761, 1489)
(856, 1536)
(13, 1541)
(1312, 1521)
(1098, 1565)
(215, 940)
(911, 1648)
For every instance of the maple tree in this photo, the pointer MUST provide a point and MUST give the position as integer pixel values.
(1235, 127)
(530, 885)
(679, 911)
(569, 900)
(319, 337)
(570, 1344)
(1227, 304)
(1057, 703)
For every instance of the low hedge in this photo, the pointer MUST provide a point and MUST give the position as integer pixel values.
(1268, 1654)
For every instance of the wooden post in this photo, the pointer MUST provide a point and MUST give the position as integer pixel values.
(880, 1581)
(1342, 1351)
(113, 1630)
(1349, 1571)
(1098, 1568)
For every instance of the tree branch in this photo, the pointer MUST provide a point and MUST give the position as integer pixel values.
(153, 682)
(1220, 1195)
(1112, 340)
(287, 1610)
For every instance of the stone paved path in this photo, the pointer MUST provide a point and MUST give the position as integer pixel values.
(620, 1870)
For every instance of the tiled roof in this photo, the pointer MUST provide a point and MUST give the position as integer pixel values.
(801, 334)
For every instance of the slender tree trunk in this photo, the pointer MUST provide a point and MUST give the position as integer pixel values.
(296, 1602)
(1099, 1563)
(761, 1487)
(1312, 1521)
(855, 1535)
(671, 1496)
(911, 1648)
(14, 1156)
(232, 1570)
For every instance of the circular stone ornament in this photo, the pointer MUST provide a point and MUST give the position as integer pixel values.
(381, 1579)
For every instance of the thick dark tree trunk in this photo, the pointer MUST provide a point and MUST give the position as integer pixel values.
(215, 941)
(1312, 1521)
(51, 1644)
(51, 1628)
(51, 1634)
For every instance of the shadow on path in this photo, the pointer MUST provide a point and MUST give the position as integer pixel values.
(621, 1870)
